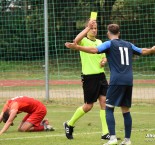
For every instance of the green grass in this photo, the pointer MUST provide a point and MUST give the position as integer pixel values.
(87, 130)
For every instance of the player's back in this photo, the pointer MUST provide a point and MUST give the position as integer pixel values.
(26, 104)
(120, 62)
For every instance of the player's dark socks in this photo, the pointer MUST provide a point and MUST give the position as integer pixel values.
(110, 120)
(127, 124)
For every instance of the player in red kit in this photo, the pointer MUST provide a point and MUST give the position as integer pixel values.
(33, 121)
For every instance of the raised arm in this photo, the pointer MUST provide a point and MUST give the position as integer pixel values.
(81, 35)
(84, 32)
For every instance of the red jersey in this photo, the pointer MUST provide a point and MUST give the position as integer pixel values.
(23, 104)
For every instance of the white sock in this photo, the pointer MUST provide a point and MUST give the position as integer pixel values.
(112, 137)
(127, 139)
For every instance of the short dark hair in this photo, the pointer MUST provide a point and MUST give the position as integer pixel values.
(5, 116)
(113, 28)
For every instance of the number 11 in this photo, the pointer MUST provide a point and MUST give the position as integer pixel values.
(122, 50)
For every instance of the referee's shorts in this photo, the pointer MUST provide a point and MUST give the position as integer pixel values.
(94, 86)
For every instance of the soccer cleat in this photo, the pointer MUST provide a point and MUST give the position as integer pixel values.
(126, 142)
(46, 125)
(111, 142)
(105, 137)
(68, 130)
(49, 128)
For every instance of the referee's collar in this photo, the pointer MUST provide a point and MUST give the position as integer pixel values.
(90, 39)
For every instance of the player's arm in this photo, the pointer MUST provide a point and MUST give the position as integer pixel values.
(143, 51)
(147, 51)
(89, 49)
(12, 116)
(83, 33)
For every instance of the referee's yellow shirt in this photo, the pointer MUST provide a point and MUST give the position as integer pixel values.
(91, 62)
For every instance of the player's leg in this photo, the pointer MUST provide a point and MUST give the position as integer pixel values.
(29, 127)
(103, 85)
(25, 126)
(89, 91)
(105, 131)
(127, 125)
(33, 122)
(79, 113)
(113, 98)
(110, 104)
(20, 125)
(111, 124)
(127, 116)
(76, 116)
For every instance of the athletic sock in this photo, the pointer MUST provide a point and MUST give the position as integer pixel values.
(127, 124)
(77, 115)
(110, 120)
(127, 139)
(112, 137)
(104, 122)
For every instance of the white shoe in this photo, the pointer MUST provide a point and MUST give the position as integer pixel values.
(46, 125)
(126, 142)
(49, 128)
(111, 142)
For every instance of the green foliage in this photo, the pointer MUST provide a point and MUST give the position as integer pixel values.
(22, 34)
(137, 20)
(22, 27)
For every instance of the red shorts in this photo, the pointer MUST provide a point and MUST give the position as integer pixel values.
(36, 117)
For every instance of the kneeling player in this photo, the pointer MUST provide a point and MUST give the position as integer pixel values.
(33, 121)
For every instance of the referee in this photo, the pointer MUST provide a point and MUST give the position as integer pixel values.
(93, 79)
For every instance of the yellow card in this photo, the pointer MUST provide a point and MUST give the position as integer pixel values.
(93, 16)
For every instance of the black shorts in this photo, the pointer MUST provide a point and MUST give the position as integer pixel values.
(94, 86)
(119, 95)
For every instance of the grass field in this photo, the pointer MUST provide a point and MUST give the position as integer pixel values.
(87, 130)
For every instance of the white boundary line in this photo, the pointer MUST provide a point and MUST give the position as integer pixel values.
(59, 135)
(115, 112)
